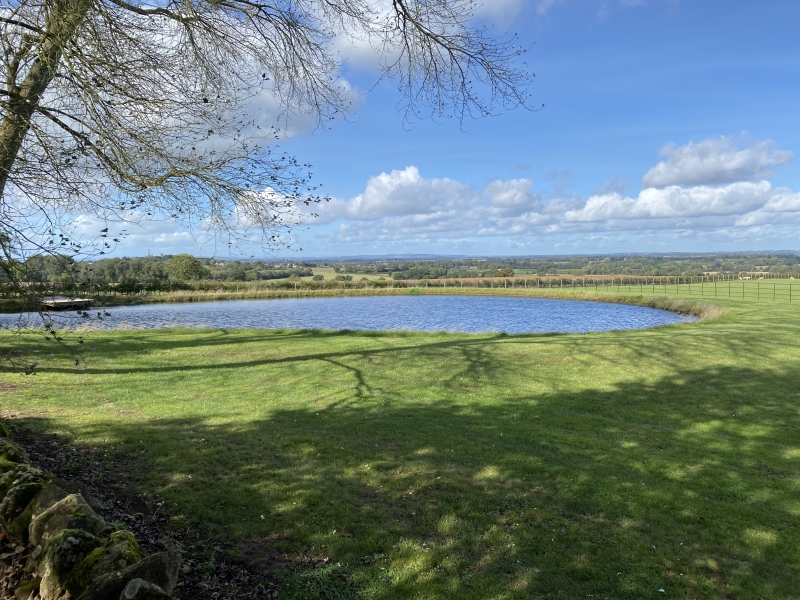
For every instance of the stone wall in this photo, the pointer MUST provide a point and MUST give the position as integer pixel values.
(72, 552)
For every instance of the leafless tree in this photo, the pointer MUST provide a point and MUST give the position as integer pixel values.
(127, 110)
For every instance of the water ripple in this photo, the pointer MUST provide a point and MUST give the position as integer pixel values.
(471, 314)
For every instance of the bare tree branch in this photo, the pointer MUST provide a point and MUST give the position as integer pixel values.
(129, 110)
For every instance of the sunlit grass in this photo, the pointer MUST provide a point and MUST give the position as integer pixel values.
(469, 466)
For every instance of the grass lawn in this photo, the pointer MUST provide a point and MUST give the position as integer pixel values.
(611, 465)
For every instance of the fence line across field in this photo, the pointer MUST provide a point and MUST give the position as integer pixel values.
(712, 286)
(743, 288)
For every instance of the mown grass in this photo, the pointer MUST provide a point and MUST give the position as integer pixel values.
(460, 466)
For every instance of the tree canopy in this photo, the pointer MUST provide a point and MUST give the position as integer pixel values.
(184, 267)
(126, 110)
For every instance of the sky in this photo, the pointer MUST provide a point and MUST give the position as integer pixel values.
(667, 126)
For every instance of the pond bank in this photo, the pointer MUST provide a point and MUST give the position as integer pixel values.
(697, 307)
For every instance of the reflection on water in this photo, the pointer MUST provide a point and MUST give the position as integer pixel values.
(474, 314)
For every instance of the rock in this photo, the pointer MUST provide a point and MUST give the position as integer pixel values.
(15, 512)
(27, 588)
(75, 487)
(5, 432)
(139, 589)
(6, 465)
(12, 451)
(117, 553)
(58, 489)
(63, 552)
(71, 512)
(160, 569)
(20, 474)
(51, 494)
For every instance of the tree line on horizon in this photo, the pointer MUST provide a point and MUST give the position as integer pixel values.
(184, 270)
(636, 265)
(156, 271)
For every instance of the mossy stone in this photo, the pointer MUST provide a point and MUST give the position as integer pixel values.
(139, 589)
(24, 590)
(12, 451)
(5, 431)
(62, 554)
(51, 494)
(20, 474)
(15, 512)
(75, 487)
(6, 465)
(117, 553)
(71, 512)
(160, 569)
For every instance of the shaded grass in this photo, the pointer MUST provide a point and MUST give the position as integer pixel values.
(445, 465)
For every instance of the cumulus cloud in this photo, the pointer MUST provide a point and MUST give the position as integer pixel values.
(403, 208)
(400, 193)
(512, 198)
(404, 205)
(715, 161)
(675, 202)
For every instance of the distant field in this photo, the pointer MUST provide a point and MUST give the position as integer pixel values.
(329, 273)
(640, 464)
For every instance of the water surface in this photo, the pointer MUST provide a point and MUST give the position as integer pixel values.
(472, 314)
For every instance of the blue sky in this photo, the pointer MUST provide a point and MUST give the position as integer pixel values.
(668, 126)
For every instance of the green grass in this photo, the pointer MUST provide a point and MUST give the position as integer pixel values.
(460, 466)
(330, 273)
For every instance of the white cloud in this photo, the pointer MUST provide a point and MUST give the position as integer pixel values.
(400, 193)
(403, 205)
(512, 198)
(404, 209)
(715, 161)
(675, 202)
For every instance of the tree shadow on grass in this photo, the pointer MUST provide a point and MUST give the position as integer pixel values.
(688, 485)
(667, 343)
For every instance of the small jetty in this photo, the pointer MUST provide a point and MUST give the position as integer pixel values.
(64, 303)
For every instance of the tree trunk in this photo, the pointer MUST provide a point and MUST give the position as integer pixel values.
(61, 22)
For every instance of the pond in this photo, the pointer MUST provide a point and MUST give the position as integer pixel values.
(472, 314)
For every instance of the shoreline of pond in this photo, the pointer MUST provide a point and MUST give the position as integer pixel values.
(436, 311)
(703, 309)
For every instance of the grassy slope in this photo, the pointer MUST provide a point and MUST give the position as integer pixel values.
(431, 466)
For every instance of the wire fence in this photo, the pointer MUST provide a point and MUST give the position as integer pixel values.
(723, 286)
(705, 287)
